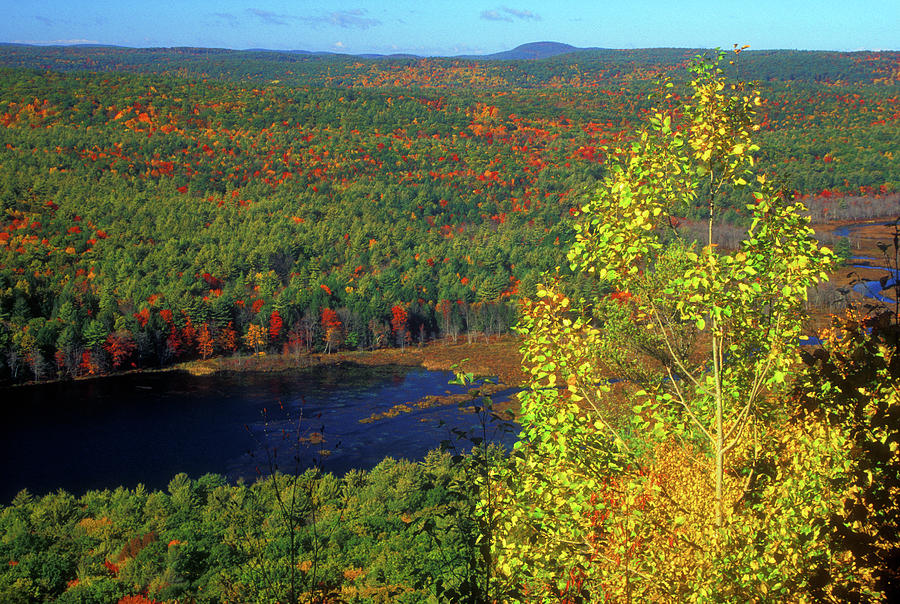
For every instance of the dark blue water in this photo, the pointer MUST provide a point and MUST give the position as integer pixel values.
(145, 428)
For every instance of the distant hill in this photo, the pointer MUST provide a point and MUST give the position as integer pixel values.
(399, 55)
(529, 65)
(532, 50)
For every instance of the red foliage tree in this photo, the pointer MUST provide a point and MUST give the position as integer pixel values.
(399, 322)
(188, 336)
(275, 325)
(295, 338)
(143, 317)
(60, 357)
(120, 346)
(173, 341)
(136, 600)
(88, 365)
(213, 282)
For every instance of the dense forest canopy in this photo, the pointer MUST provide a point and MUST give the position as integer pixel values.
(164, 204)
(677, 442)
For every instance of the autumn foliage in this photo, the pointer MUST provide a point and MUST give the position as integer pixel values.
(332, 328)
(399, 325)
(207, 195)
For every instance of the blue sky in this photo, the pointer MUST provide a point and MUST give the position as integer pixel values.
(449, 27)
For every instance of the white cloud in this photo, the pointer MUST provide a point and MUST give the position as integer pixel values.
(69, 42)
(521, 14)
(346, 19)
(509, 15)
(269, 17)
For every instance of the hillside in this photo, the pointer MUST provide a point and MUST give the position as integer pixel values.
(169, 204)
(531, 51)
(674, 442)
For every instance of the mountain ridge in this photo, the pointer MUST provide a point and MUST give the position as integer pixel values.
(527, 51)
(532, 51)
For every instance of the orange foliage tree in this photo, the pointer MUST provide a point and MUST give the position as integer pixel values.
(255, 337)
(228, 338)
(188, 335)
(205, 341)
(333, 329)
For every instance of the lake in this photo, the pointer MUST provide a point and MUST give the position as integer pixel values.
(145, 428)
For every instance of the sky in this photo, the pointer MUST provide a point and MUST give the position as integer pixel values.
(453, 27)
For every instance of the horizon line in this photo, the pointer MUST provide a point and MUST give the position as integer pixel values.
(97, 44)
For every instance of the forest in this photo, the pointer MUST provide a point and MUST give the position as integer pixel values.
(677, 442)
(168, 204)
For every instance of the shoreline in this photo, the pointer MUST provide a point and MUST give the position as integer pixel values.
(498, 358)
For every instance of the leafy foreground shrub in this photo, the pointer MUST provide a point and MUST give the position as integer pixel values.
(360, 538)
(698, 474)
(852, 387)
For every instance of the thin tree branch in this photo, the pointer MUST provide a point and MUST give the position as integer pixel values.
(675, 357)
(687, 408)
